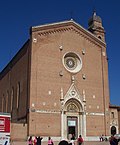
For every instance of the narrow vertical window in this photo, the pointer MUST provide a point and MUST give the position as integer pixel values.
(2, 103)
(112, 114)
(12, 95)
(7, 96)
(18, 94)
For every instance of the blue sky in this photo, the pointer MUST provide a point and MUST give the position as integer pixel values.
(16, 17)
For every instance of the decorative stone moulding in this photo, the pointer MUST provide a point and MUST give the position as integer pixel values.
(84, 76)
(83, 51)
(61, 48)
(72, 62)
(34, 40)
(61, 73)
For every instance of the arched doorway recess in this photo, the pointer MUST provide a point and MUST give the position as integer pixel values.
(113, 130)
(74, 118)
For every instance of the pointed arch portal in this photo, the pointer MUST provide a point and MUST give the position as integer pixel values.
(74, 119)
(72, 115)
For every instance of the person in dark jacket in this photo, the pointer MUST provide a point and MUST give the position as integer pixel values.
(39, 140)
(63, 142)
(113, 140)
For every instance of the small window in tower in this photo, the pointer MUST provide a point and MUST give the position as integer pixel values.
(112, 114)
(99, 37)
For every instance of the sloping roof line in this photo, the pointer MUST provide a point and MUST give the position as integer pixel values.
(67, 23)
(15, 59)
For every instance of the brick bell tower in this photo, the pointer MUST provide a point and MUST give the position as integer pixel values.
(95, 26)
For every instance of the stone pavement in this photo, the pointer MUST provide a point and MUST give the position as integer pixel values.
(85, 143)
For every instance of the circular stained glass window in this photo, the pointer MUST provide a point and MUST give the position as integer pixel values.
(72, 62)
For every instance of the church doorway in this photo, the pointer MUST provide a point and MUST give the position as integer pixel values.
(73, 120)
(113, 130)
(72, 127)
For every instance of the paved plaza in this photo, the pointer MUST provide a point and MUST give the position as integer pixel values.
(56, 143)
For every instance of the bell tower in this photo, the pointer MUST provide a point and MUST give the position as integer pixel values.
(95, 26)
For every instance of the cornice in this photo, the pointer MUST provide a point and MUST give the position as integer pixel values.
(114, 106)
(67, 26)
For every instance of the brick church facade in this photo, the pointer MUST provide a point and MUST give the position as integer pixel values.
(57, 84)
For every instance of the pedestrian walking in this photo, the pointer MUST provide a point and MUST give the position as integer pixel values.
(35, 140)
(30, 141)
(63, 142)
(80, 140)
(72, 141)
(113, 140)
(50, 141)
(101, 138)
(39, 139)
